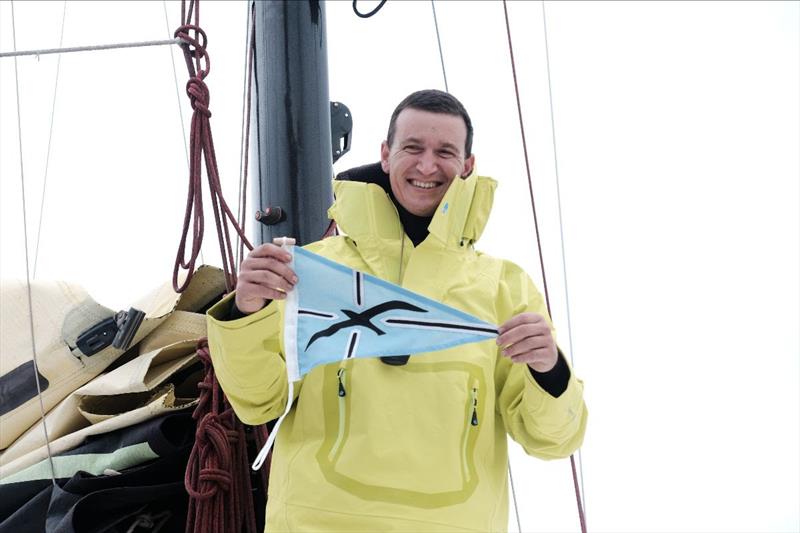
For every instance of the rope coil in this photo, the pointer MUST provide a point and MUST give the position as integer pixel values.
(201, 150)
(217, 479)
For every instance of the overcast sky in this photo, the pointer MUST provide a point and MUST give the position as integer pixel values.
(677, 126)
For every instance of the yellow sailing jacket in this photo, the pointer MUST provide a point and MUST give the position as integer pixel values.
(419, 447)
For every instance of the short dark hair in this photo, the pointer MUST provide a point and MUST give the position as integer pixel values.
(433, 101)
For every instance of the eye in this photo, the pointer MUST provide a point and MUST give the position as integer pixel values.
(447, 153)
(413, 148)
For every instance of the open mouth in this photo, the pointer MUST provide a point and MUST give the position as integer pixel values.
(424, 184)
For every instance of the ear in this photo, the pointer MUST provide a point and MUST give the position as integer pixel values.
(469, 166)
(385, 156)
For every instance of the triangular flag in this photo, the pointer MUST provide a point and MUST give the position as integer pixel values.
(335, 313)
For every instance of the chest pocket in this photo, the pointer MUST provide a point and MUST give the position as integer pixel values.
(409, 440)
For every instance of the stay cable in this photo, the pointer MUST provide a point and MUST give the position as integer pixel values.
(49, 144)
(561, 232)
(536, 228)
(27, 263)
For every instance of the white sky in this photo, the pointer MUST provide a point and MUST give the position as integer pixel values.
(677, 126)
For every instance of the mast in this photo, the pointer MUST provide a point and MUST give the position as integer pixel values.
(291, 150)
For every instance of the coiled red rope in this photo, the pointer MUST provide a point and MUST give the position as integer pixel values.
(201, 150)
(217, 474)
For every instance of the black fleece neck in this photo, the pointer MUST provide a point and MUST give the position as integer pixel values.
(416, 227)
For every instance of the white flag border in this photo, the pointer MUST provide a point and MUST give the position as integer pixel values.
(290, 318)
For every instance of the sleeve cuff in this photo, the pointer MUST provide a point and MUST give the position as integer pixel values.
(226, 309)
(555, 380)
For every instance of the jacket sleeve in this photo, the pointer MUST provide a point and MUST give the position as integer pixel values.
(247, 358)
(545, 426)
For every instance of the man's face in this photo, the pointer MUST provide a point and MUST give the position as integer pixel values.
(426, 154)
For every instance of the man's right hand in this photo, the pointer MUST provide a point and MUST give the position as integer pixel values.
(264, 275)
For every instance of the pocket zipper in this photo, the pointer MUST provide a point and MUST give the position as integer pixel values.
(474, 420)
(342, 392)
(339, 376)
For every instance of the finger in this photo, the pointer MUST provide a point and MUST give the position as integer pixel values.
(268, 279)
(522, 318)
(531, 344)
(257, 293)
(539, 355)
(269, 265)
(523, 331)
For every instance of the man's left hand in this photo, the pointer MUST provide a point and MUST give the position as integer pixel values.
(526, 338)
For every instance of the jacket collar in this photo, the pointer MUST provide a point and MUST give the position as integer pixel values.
(364, 210)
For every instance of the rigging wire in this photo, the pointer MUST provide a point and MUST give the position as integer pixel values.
(367, 15)
(244, 147)
(27, 264)
(91, 48)
(561, 230)
(514, 493)
(525, 153)
(49, 144)
(239, 206)
(439, 42)
(581, 516)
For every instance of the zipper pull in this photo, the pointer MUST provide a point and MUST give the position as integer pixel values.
(474, 406)
(339, 375)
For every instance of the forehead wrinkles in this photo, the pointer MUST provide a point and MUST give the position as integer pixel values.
(435, 142)
(437, 128)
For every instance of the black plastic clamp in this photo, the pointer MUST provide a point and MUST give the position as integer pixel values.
(118, 331)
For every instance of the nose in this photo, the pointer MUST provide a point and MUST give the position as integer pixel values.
(426, 164)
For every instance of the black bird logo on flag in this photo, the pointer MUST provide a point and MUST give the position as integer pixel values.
(364, 318)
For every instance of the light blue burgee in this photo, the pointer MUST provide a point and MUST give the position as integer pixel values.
(335, 313)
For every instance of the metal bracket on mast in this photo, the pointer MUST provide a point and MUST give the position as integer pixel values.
(341, 129)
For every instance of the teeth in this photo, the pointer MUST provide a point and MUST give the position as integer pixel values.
(424, 184)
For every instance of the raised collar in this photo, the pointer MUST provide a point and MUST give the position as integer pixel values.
(365, 210)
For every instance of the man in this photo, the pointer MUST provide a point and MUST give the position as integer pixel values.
(394, 443)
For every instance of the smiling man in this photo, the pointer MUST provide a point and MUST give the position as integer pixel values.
(396, 443)
(423, 152)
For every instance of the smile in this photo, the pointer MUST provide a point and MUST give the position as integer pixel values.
(424, 184)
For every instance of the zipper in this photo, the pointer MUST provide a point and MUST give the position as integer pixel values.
(474, 420)
(341, 393)
(340, 377)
